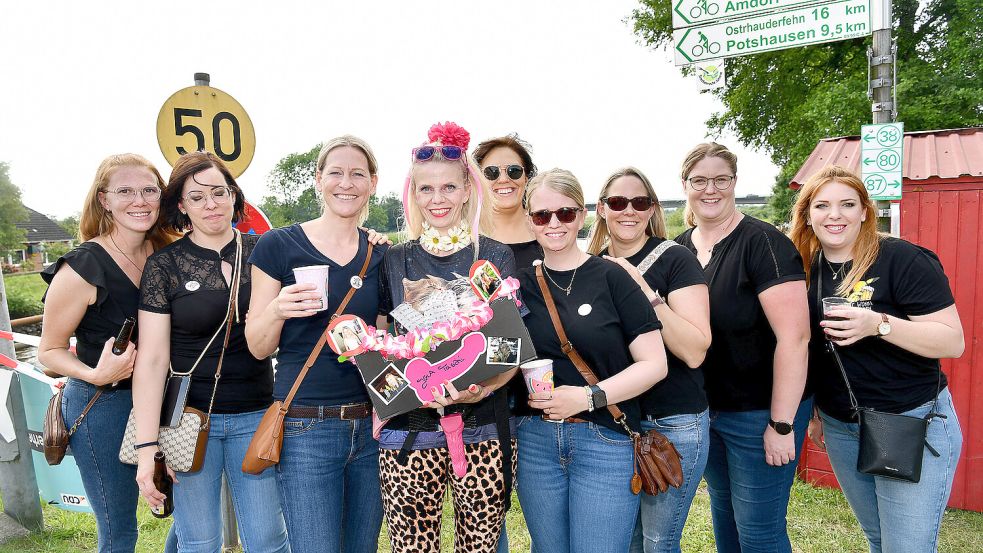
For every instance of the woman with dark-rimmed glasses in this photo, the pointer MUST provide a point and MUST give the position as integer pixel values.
(575, 461)
(631, 231)
(755, 369)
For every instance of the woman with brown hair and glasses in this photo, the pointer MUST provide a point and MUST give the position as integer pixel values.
(92, 290)
(184, 302)
(755, 369)
(631, 231)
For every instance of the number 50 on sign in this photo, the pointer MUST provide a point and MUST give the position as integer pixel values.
(205, 118)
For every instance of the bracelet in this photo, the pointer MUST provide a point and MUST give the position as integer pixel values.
(145, 444)
(657, 300)
(590, 399)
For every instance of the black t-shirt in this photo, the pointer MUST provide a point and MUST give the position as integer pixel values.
(905, 280)
(740, 362)
(184, 280)
(682, 390)
(116, 299)
(604, 313)
(328, 382)
(525, 253)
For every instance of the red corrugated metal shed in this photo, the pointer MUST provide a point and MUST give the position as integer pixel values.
(941, 209)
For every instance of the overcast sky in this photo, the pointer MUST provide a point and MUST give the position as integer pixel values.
(82, 80)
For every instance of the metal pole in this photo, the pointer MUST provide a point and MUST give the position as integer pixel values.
(883, 67)
(230, 527)
(18, 484)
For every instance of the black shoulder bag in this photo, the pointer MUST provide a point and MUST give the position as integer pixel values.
(891, 444)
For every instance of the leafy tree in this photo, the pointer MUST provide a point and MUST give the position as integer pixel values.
(11, 212)
(70, 224)
(784, 102)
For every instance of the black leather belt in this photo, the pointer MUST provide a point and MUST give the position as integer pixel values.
(343, 412)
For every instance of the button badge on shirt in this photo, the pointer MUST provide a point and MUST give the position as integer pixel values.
(585, 309)
(356, 282)
(192, 285)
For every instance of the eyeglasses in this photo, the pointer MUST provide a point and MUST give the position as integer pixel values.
(564, 215)
(128, 193)
(425, 153)
(220, 195)
(620, 203)
(513, 172)
(720, 183)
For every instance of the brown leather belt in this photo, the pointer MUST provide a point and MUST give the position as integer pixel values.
(344, 412)
(568, 419)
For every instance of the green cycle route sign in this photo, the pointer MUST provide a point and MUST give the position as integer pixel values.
(813, 24)
(686, 13)
(881, 157)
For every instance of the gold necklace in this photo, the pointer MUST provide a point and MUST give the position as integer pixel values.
(566, 290)
(837, 273)
(723, 235)
(139, 269)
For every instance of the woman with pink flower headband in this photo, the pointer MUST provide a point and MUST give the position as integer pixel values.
(442, 200)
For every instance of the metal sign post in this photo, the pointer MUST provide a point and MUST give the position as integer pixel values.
(884, 107)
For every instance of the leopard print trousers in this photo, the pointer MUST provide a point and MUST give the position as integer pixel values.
(413, 498)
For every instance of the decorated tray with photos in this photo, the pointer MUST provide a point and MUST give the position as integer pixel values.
(464, 331)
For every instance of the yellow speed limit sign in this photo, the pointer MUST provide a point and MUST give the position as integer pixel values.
(205, 118)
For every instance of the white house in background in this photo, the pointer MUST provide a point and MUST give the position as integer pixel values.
(40, 230)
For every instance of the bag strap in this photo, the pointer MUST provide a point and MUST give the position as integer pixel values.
(85, 411)
(654, 255)
(235, 281)
(571, 352)
(324, 335)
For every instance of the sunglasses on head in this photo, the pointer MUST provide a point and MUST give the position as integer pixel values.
(620, 203)
(564, 215)
(426, 153)
(513, 172)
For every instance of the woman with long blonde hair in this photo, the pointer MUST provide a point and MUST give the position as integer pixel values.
(899, 320)
(92, 290)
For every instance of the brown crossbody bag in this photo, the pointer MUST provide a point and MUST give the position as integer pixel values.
(264, 449)
(657, 463)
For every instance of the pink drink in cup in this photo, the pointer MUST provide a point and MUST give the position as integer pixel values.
(538, 375)
(318, 276)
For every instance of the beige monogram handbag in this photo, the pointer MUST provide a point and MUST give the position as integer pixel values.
(184, 445)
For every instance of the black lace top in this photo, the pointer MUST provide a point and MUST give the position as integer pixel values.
(116, 299)
(185, 281)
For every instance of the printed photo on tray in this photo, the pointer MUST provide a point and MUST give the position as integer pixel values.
(389, 384)
(345, 335)
(502, 351)
(485, 279)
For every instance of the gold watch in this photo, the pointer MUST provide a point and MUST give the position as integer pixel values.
(884, 327)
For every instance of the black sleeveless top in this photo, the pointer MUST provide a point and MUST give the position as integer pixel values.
(116, 299)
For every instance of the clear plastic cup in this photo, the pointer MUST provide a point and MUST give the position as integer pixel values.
(318, 276)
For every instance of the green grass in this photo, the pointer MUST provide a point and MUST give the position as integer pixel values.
(24, 294)
(820, 521)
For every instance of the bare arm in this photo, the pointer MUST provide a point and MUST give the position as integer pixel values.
(936, 335)
(68, 297)
(686, 323)
(148, 390)
(269, 305)
(787, 309)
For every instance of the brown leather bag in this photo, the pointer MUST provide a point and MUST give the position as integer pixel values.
(655, 457)
(264, 449)
(54, 433)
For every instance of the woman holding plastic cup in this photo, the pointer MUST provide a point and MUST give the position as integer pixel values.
(631, 231)
(576, 462)
(328, 472)
(442, 200)
(887, 307)
(184, 304)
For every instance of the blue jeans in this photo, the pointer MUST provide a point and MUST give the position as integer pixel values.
(328, 478)
(662, 517)
(197, 495)
(110, 485)
(749, 497)
(575, 486)
(897, 515)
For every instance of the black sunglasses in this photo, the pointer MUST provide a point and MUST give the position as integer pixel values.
(513, 172)
(620, 203)
(564, 215)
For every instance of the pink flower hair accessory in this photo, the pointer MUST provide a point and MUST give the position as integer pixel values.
(449, 133)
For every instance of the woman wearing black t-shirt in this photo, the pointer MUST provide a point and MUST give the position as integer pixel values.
(900, 321)
(328, 472)
(576, 462)
(442, 202)
(184, 299)
(755, 369)
(92, 290)
(631, 230)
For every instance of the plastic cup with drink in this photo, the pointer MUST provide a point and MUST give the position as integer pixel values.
(318, 276)
(538, 375)
(829, 304)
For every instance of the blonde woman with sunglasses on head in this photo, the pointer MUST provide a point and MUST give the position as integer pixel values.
(631, 231)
